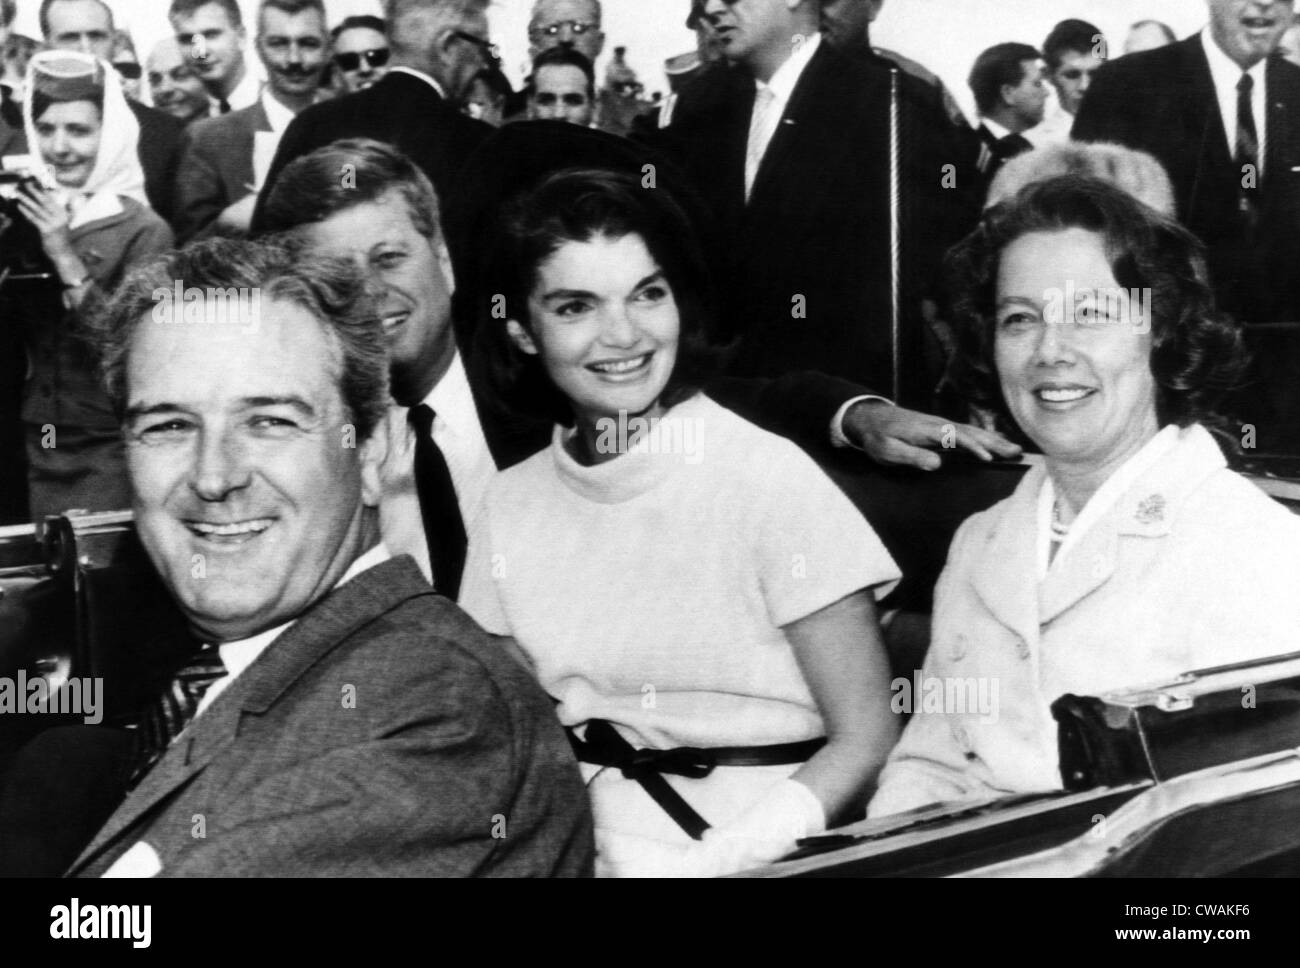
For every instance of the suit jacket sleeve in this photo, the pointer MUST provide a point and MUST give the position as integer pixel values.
(200, 194)
(799, 406)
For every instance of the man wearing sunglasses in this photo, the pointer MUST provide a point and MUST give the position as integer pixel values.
(564, 87)
(438, 48)
(226, 158)
(571, 24)
(360, 53)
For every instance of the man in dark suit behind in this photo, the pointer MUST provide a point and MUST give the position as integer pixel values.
(438, 46)
(340, 717)
(792, 151)
(220, 164)
(87, 26)
(1184, 104)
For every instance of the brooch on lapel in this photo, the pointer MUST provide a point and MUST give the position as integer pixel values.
(1151, 510)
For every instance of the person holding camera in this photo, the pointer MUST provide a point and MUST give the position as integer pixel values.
(76, 226)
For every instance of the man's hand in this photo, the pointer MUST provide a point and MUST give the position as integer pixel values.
(895, 435)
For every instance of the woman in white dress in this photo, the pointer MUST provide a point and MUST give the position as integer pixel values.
(697, 596)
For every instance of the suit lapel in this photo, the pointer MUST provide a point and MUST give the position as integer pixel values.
(1012, 549)
(315, 633)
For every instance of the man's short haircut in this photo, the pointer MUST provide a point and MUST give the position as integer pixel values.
(332, 290)
(567, 57)
(450, 9)
(312, 189)
(537, 12)
(1000, 65)
(186, 8)
(1164, 28)
(43, 15)
(8, 10)
(362, 21)
(291, 7)
(1070, 37)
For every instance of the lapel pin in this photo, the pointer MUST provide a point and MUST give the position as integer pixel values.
(1151, 510)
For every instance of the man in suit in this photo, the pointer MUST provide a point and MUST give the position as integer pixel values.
(175, 88)
(570, 24)
(225, 158)
(1073, 52)
(339, 718)
(791, 148)
(211, 32)
(1007, 81)
(387, 219)
(1223, 116)
(438, 47)
(87, 26)
(563, 87)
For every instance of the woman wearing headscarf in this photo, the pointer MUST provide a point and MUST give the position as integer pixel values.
(85, 222)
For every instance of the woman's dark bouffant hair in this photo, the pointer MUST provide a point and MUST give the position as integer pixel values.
(577, 205)
(1197, 353)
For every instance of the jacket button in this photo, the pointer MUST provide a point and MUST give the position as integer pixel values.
(1022, 649)
(959, 646)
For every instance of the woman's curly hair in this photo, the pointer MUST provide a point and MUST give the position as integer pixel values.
(1197, 353)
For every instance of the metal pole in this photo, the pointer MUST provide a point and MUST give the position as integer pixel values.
(895, 284)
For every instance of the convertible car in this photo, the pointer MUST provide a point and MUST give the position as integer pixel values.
(1178, 778)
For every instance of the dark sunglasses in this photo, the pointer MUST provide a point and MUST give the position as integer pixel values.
(548, 98)
(490, 51)
(352, 61)
(132, 72)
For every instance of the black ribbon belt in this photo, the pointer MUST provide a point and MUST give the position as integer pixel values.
(605, 746)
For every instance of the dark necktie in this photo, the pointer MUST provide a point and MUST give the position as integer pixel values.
(224, 105)
(1247, 148)
(443, 528)
(171, 711)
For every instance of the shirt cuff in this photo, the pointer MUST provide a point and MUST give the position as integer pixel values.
(838, 438)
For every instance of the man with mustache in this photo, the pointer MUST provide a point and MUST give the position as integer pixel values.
(226, 158)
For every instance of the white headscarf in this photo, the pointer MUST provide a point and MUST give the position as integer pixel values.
(117, 170)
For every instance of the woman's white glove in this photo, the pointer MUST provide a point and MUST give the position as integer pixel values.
(765, 832)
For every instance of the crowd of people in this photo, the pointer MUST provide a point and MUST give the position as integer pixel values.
(499, 417)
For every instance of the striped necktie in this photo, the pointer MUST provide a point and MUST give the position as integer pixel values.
(170, 712)
(762, 124)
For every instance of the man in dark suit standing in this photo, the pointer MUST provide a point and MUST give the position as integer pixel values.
(87, 26)
(339, 718)
(224, 157)
(438, 46)
(792, 151)
(1223, 116)
(1011, 97)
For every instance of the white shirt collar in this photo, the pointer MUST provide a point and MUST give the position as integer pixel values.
(1115, 486)
(452, 400)
(239, 655)
(431, 81)
(995, 129)
(786, 78)
(277, 115)
(247, 91)
(1226, 73)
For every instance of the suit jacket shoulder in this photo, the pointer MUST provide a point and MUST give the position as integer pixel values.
(382, 734)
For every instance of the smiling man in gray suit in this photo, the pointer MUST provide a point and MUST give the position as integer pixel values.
(340, 717)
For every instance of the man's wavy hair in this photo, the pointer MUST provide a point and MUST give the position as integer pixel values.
(1197, 353)
(578, 205)
(333, 291)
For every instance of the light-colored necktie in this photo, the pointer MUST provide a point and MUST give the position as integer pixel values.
(762, 124)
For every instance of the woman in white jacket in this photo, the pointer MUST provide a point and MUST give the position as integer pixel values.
(1133, 554)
